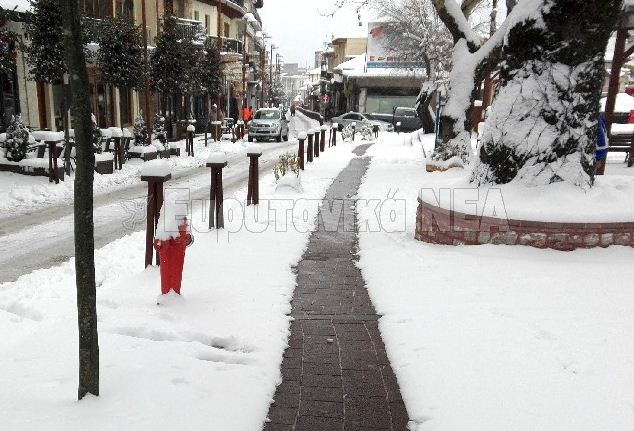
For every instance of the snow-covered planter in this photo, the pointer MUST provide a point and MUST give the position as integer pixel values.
(286, 172)
(143, 152)
(104, 163)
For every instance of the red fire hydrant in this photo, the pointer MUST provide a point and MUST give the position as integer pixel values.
(172, 258)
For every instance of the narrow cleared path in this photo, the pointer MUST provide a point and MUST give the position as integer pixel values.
(336, 374)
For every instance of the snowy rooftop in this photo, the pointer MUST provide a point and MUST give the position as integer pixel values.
(355, 68)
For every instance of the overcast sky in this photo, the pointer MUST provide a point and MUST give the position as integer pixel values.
(299, 30)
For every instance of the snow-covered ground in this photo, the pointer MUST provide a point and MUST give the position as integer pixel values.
(496, 337)
(208, 360)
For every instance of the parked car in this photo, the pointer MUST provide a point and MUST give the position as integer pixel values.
(268, 123)
(408, 117)
(350, 117)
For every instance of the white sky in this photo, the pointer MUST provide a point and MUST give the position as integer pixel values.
(299, 30)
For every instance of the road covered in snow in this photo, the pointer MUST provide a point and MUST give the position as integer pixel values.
(37, 233)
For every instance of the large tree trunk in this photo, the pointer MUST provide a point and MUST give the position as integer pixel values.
(542, 124)
(84, 228)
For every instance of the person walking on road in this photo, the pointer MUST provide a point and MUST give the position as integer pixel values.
(292, 109)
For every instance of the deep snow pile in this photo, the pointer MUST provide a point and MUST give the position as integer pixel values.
(207, 360)
(496, 338)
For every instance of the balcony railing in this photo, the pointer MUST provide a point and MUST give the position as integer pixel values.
(191, 29)
(238, 2)
(227, 44)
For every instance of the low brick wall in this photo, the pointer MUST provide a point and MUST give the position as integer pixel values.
(441, 226)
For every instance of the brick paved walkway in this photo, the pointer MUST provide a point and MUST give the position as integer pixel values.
(336, 375)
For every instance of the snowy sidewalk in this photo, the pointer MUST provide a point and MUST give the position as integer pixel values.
(336, 374)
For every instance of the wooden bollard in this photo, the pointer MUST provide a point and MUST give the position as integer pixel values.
(189, 144)
(316, 147)
(240, 129)
(322, 142)
(155, 172)
(300, 150)
(354, 130)
(309, 150)
(398, 127)
(333, 131)
(254, 151)
(217, 160)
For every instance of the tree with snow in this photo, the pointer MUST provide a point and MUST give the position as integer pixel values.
(542, 124)
(17, 140)
(140, 130)
(8, 41)
(83, 202)
(120, 56)
(158, 128)
(211, 70)
(45, 52)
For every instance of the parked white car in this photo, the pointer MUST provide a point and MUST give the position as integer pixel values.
(357, 117)
(268, 123)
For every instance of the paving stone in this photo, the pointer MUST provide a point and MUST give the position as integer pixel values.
(335, 356)
(322, 394)
(321, 408)
(317, 423)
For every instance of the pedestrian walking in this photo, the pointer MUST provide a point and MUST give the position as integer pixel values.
(602, 144)
(292, 109)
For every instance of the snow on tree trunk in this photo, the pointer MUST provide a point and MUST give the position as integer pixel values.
(542, 124)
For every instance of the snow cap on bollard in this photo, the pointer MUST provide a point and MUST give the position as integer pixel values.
(316, 130)
(216, 123)
(48, 136)
(254, 149)
(324, 127)
(217, 157)
(354, 124)
(398, 124)
(106, 133)
(191, 128)
(335, 126)
(302, 136)
(116, 132)
(127, 133)
(158, 168)
(240, 123)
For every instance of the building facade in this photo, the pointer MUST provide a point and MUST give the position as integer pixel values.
(233, 24)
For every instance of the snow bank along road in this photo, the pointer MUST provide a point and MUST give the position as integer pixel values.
(45, 237)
